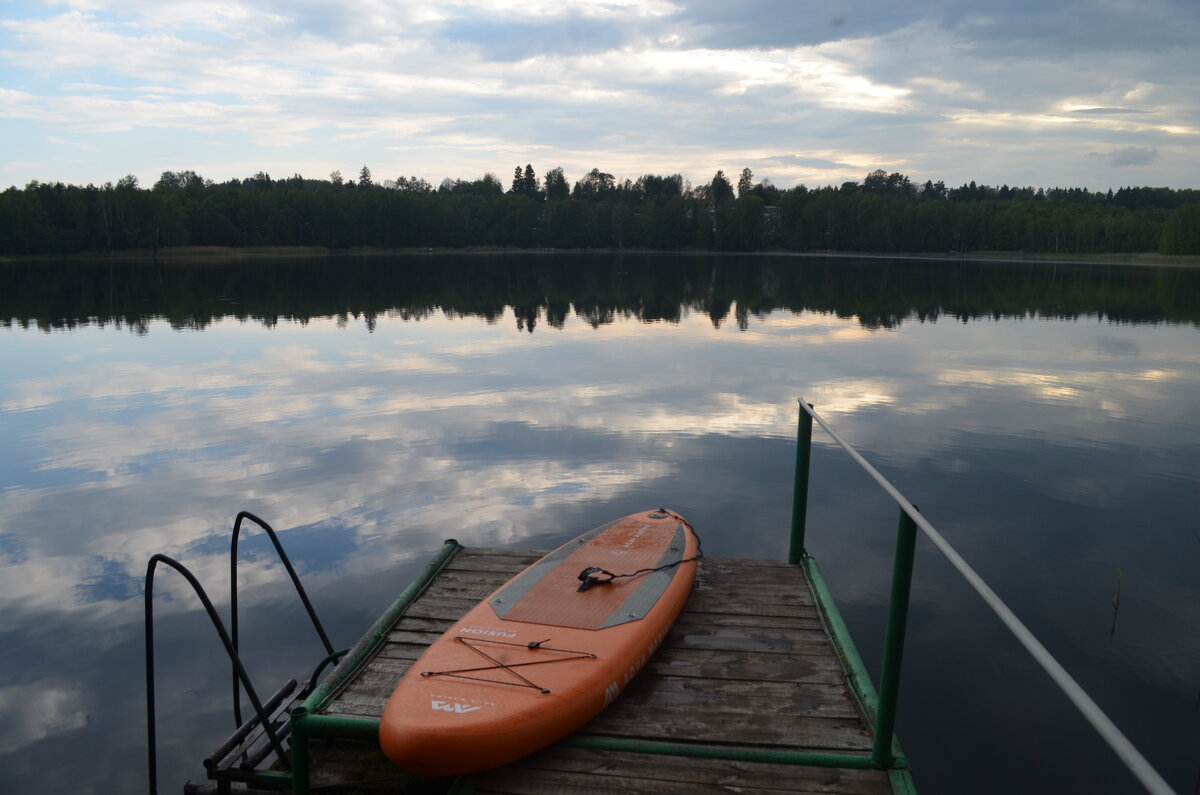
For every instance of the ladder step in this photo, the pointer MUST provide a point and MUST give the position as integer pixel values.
(238, 744)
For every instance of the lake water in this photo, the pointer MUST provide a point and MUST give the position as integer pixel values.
(1043, 416)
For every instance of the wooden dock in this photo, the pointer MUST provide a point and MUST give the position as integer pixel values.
(750, 664)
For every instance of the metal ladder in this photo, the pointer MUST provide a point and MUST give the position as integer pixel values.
(263, 733)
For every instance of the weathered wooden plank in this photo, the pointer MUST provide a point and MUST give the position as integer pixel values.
(758, 564)
(811, 734)
(749, 619)
(785, 577)
(358, 703)
(652, 773)
(404, 636)
(745, 665)
(507, 564)
(739, 593)
(725, 602)
(357, 766)
(763, 639)
(351, 709)
(493, 578)
(421, 624)
(553, 782)
(381, 677)
(440, 607)
(378, 675)
(502, 552)
(401, 651)
(383, 665)
(475, 590)
(716, 700)
(744, 691)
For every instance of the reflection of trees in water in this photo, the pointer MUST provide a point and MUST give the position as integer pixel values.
(543, 289)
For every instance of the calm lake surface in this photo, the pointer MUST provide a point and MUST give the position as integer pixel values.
(1044, 417)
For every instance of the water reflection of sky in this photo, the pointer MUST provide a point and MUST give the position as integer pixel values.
(1052, 452)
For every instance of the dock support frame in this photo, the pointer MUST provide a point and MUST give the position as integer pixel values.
(880, 707)
(306, 720)
(1133, 759)
(893, 645)
(800, 487)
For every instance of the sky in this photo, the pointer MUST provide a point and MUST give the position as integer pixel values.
(1069, 93)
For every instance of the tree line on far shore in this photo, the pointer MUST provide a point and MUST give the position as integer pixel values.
(882, 213)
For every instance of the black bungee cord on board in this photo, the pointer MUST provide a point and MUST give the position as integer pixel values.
(593, 575)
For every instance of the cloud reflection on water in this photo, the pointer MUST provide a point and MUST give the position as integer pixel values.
(366, 449)
(315, 429)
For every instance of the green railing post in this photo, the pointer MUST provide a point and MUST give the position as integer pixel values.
(893, 645)
(800, 489)
(299, 751)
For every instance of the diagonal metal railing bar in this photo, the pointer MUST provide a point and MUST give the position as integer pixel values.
(233, 600)
(1108, 731)
(239, 669)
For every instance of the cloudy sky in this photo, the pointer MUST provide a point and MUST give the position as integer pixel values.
(1092, 93)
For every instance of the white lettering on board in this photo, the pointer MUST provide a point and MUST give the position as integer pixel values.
(486, 632)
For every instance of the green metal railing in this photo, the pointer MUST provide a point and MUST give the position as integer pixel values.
(882, 708)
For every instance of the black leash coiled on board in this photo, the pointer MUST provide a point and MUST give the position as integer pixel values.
(594, 575)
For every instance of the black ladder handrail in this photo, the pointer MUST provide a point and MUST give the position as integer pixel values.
(233, 600)
(239, 670)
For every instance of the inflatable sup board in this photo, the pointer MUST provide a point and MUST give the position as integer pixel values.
(545, 652)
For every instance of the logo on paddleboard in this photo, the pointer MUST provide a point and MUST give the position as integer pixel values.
(486, 632)
(641, 531)
(457, 709)
(457, 705)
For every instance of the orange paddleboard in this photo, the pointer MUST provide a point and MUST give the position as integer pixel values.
(540, 657)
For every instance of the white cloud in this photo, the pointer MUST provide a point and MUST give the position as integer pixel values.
(542, 9)
(633, 87)
(38, 710)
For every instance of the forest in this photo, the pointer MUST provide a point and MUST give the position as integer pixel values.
(885, 212)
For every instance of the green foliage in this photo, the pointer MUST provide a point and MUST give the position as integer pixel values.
(720, 190)
(745, 183)
(1181, 232)
(595, 185)
(525, 183)
(556, 185)
(884, 213)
